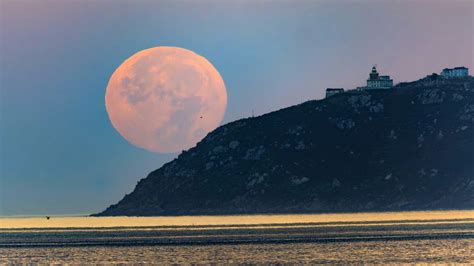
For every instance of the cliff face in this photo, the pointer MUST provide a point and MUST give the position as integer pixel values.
(411, 147)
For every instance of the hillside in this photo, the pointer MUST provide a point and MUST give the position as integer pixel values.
(411, 147)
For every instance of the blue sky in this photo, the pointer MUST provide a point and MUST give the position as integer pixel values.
(59, 153)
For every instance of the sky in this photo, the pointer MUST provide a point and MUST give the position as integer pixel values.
(60, 155)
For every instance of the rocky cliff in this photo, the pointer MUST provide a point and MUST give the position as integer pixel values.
(411, 147)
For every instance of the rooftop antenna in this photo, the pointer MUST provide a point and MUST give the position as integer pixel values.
(253, 114)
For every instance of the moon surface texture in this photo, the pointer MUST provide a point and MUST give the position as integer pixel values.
(165, 99)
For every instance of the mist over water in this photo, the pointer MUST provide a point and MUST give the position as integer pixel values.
(397, 237)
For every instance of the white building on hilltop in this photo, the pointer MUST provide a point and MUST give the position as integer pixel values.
(455, 72)
(378, 82)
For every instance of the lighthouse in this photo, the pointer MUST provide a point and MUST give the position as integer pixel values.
(376, 81)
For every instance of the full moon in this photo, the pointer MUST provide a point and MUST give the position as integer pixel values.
(165, 99)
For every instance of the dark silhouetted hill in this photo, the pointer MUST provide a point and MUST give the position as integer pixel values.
(408, 148)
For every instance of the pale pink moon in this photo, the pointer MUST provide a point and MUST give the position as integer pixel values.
(165, 99)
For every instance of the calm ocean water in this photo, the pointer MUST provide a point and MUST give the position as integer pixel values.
(399, 237)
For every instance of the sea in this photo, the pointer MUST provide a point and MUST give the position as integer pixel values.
(345, 238)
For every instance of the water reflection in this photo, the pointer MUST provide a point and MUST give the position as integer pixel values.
(415, 251)
(423, 237)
